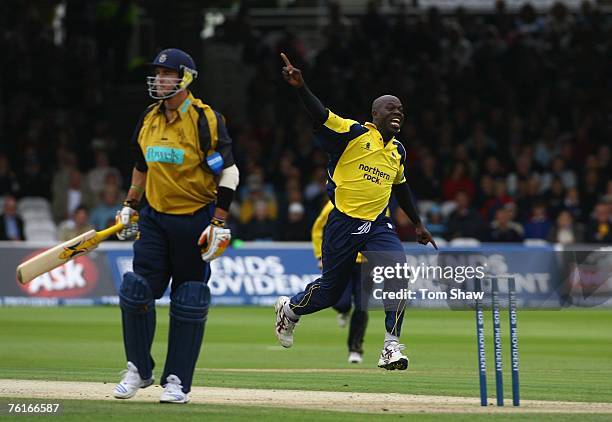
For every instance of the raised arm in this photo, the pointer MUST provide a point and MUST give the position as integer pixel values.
(312, 104)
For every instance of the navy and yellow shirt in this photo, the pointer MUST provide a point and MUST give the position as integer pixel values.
(362, 168)
(171, 152)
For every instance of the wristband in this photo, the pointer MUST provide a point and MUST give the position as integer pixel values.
(132, 203)
(137, 188)
(217, 222)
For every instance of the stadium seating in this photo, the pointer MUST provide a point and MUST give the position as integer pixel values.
(40, 230)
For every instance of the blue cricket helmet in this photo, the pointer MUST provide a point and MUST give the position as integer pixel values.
(174, 59)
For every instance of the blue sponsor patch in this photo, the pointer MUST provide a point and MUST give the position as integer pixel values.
(215, 163)
(165, 155)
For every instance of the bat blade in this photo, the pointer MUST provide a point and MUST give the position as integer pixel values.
(56, 256)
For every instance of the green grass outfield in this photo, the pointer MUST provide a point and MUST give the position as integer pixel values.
(565, 356)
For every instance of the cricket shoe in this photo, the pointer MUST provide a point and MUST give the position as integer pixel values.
(130, 383)
(284, 325)
(343, 319)
(355, 357)
(173, 391)
(391, 357)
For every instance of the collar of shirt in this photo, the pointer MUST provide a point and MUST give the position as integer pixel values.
(182, 109)
(372, 127)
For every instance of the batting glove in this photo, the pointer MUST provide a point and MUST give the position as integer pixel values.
(128, 216)
(214, 240)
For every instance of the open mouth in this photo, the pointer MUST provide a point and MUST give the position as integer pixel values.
(395, 123)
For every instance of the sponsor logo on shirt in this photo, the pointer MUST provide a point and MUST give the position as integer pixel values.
(374, 174)
(165, 155)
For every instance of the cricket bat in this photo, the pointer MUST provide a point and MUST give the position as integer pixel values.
(57, 255)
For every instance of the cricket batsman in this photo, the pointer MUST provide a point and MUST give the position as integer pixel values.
(354, 293)
(184, 164)
(366, 164)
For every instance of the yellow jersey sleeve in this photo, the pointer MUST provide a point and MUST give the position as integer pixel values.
(338, 124)
(400, 177)
(318, 227)
(335, 134)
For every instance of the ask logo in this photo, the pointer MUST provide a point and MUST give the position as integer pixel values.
(73, 279)
(366, 145)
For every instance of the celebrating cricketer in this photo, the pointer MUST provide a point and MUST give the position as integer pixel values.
(366, 164)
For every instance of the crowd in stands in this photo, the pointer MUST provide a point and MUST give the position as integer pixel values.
(508, 121)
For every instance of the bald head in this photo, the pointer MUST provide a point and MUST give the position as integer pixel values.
(383, 100)
(387, 115)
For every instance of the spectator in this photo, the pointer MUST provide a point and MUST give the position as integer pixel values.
(456, 48)
(66, 198)
(590, 190)
(424, 180)
(464, 221)
(11, 225)
(599, 229)
(604, 158)
(522, 172)
(103, 215)
(78, 224)
(607, 197)
(435, 222)
(339, 25)
(66, 163)
(261, 226)
(458, 181)
(528, 194)
(571, 203)
(373, 23)
(538, 225)
(255, 191)
(554, 197)
(8, 180)
(479, 144)
(559, 22)
(547, 146)
(528, 22)
(503, 229)
(97, 176)
(565, 230)
(296, 228)
(315, 192)
(493, 167)
(485, 194)
(34, 181)
(558, 171)
(499, 199)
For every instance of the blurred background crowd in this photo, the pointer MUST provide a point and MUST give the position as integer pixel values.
(508, 114)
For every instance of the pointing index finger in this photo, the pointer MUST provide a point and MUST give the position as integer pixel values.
(433, 243)
(286, 60)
